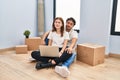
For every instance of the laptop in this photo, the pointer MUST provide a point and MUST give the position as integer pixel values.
(49, 51)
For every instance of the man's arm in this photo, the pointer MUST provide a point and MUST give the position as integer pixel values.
(74, 40)
(44, 37)
(50, 42)
(70, 48)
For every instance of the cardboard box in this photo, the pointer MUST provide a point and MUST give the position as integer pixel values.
(33, 43)
(91, 54)
(21, 49)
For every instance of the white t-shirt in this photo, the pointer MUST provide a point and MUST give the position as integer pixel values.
(57, 40)
(72, 34)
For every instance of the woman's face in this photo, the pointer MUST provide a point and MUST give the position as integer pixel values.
(58, 24)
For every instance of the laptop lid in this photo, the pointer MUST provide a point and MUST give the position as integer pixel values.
(49, 51)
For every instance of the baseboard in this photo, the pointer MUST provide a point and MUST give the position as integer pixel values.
(114, 55)
(7, 49)
(107, 56)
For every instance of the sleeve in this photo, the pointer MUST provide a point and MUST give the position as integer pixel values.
(50, 35)
(74, 34)
(66, 36)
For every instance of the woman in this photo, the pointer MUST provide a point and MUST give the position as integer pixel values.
(57, 37)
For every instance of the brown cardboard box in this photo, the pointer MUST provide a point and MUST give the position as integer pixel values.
(91, 54)
(21, 49)
(33, 43)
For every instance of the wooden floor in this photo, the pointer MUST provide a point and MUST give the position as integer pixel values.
(17, 67)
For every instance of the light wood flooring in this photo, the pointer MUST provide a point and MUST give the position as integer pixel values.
(17, 67)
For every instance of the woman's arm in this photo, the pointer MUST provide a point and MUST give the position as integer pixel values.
(64, 46)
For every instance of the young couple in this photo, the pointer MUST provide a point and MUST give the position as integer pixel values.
(65, 40)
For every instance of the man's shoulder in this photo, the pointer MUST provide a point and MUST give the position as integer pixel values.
(65, 32)
(73, 34)
(73, 31)
(77, 30)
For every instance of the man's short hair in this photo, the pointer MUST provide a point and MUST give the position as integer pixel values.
(71, 19)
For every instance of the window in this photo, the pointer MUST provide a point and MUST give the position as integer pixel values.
(66, 9)
(115, 25)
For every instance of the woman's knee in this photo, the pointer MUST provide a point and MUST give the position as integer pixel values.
(35, 53)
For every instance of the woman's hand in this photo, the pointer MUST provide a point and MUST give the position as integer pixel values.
(60, 53)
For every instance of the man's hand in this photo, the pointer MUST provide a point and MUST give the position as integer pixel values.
(69, 50)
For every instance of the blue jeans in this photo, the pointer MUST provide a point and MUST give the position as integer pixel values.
(69, 61)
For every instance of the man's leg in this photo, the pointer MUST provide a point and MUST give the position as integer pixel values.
(63, 70)
(64, 57)
(69, 61)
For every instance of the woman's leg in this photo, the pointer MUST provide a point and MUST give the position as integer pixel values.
(36, 55)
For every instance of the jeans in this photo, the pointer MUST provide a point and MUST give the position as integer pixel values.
(64, 57)
(68, 62)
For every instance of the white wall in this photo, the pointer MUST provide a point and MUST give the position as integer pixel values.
(15, 17)
(95, 22)
(115, 44)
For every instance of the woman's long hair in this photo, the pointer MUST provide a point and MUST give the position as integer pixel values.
(62, 27)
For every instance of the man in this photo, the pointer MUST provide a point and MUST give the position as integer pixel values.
(63, 70)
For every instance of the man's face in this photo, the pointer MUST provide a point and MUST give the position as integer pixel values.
(69, 25)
